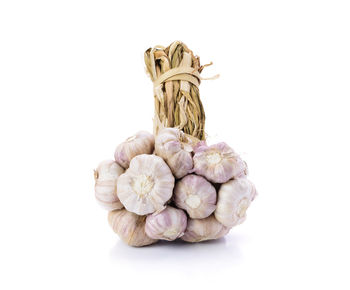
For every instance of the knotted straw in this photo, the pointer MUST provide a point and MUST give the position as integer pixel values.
(175, 73)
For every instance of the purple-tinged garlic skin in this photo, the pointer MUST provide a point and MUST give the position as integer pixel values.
(106, 175)
(141, 143)
(199, 230)
(169, 224)
(130, 228)
(175, 147)
(218, 163)
(234, 199)
(196, 195)
(146, 185)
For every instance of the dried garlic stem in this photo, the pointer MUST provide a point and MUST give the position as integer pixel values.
(177, 100)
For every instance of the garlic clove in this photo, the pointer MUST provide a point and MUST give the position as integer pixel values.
(234, 199)
(169, 224)
(199, 230)
(218, 163)
(175, 147)
(196, 195)
(141, 143)
(146, 185)
(106, 176)
(130, 227)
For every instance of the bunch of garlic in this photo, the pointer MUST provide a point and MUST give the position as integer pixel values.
(130, 227)
(218, 163)
(199, 230)
(173, 186)
(196, 195)
(169, 224)
(140, 143)
(175, 147)
(146, 185)
(106, 176)
(234, 199)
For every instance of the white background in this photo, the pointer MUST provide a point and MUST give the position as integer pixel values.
(73, 85)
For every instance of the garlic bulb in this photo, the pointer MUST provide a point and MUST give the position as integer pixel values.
(106, 176)
(234, 198)
(130, 227)
(141, 143)
(199, 230)
(146, 185)
(196, 195)
(169, 224)
(218, 163)
(175, 147)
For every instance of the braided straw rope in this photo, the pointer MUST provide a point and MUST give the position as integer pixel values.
(175, 73)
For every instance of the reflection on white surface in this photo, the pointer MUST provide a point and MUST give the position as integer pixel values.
(187, 256)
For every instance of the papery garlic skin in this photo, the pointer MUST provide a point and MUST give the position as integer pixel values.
(146, 185)
(199, 230)
(218, 163)
(175, 147)
(106, 175)
(196, 195)
(169, 224)
(130, 227)
(234, 199)
(141, 143)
